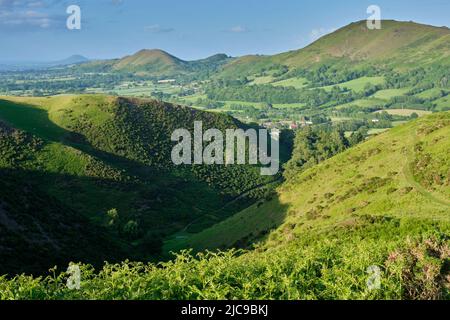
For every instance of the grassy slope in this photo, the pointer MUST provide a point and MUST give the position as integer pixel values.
(373, 178)
(138, 130)
(390, 93)
(358, 85)
(297, 83)
(396, 41)
(38, 228)
(96, 156)
(155, 61)
(443, 104)
(400, 44)
(383, 204)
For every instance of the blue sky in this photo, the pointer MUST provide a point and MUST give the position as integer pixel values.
(35, 30)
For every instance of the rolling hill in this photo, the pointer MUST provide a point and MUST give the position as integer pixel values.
(382, 205)
(106, 161)
(75, 59)
(403, 173)
(402, 42)
(398, 45)
(351, 71)
(153, 61)
(157, 63)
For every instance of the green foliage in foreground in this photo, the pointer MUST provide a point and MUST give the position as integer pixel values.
(412, 255)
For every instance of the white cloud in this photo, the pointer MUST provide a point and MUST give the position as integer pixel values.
(8, 4)
(27, 15)
(36, 4)
(25, 19)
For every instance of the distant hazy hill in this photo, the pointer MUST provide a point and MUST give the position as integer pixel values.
(397, 45)
(401, 41)
(75, 59)
(20, 66)
(158, 63)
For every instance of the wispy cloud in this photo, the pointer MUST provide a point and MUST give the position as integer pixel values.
(26, 15)
(36, 4)
(238, 29)
(320, 32)
(156, 28)
(117, 2)
(13, 4)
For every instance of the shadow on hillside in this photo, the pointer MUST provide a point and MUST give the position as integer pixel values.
(49, 219)
(159, 209)
(36, 121)
(272, 214)
(241, 231)
(39, 231)
(31, 119)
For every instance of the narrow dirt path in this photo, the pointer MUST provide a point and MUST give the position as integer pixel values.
(409, 176)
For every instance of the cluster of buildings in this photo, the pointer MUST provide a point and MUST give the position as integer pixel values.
(287, 124)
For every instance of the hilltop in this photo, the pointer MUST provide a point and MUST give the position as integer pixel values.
(400, 41)
(155, 61)
(398, 45)
(158, 63)
(16, 66)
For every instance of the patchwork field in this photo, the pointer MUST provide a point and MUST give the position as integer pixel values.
(297, 83)
(358, 85)
(390, 93)
(405, 112)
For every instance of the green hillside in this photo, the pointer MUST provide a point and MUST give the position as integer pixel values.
(403, 173)
(398, 44)
(38, 230)
(382, 204)
(403, 43)
(88, 178)
(107, 159)
(156, 63)
(348, 74)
